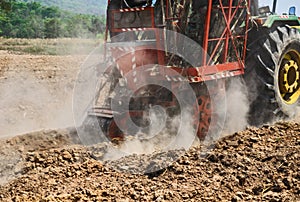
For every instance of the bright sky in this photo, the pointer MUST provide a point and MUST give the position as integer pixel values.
(282, 5)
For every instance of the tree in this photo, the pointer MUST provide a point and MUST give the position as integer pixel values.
(32, 20)
(52, 27)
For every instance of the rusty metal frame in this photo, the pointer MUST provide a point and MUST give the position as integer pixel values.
(125, 10)
(160, 54)
(208, 71)
(228, 13)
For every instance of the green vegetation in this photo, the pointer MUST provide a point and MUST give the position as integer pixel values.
(33, 20)
(94, 7)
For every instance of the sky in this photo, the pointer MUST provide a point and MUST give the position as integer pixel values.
(282, 5)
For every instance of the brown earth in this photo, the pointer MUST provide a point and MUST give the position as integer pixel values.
(257, 164)
(36, 91)
(252, 165)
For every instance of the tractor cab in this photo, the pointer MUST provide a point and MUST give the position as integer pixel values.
(269, 18)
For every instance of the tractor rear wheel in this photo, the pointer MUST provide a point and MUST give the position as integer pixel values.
(272, 73)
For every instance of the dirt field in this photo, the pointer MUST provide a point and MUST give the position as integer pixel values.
(36, 91)
(253, 165)
(257, 164)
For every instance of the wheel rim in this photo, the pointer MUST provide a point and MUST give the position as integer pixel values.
(289, 77)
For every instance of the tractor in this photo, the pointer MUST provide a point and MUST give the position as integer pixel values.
(146, 43)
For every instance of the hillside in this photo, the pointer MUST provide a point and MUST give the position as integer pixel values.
(34, 20)
(95, 7)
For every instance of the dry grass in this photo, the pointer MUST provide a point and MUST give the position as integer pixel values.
(62, 46)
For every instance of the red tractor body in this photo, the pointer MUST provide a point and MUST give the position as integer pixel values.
(199, 42)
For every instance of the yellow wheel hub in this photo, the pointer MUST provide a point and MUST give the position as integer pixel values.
(289, 77)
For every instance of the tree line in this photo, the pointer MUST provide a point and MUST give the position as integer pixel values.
(33, 20)
(94, 7)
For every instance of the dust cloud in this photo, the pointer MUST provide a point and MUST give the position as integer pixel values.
(237, 105)
(27, 105)
(177, 133)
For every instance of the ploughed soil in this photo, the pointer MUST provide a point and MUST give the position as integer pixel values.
(257, 164)
(260, 164)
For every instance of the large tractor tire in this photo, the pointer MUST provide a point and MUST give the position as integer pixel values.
(273, 73)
